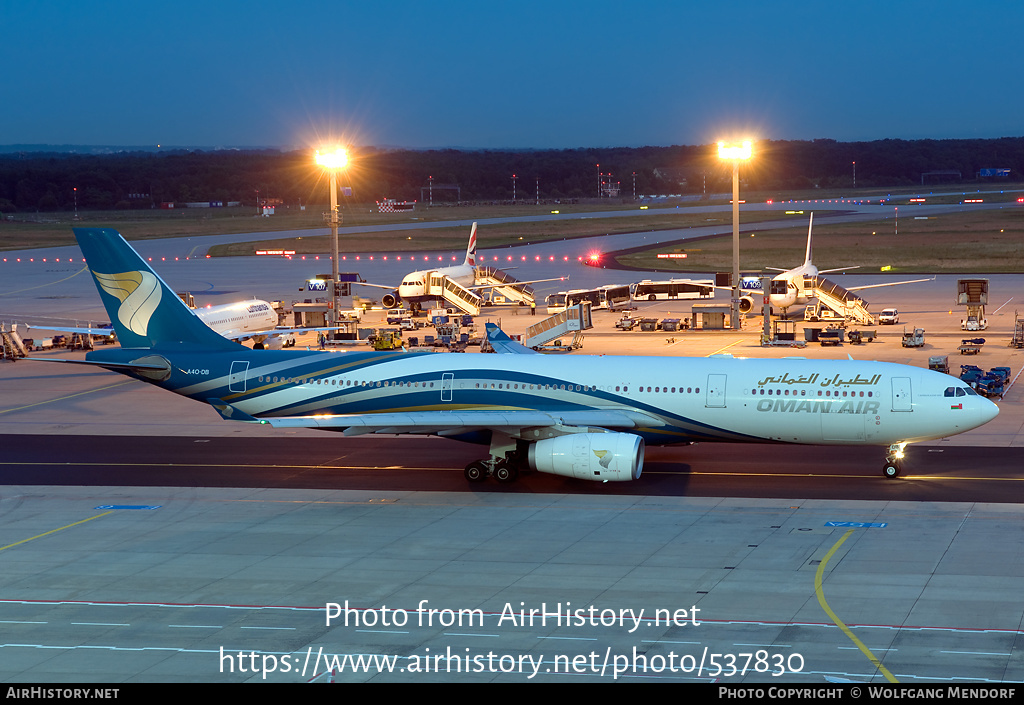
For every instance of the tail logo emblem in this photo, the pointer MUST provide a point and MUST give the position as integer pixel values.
(471, 250)
(139, 294)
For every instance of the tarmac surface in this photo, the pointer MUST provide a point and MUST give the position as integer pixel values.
(106, 582)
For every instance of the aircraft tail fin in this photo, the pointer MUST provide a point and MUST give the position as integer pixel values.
(501, 343)
(145, 311)
(807, 257)
(471, 249)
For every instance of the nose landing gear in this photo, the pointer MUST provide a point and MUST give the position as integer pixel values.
(894, 460)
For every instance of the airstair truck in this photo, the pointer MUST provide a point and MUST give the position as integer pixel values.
(973, 293)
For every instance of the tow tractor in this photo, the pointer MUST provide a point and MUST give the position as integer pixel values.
(913, 340)
(386, 339)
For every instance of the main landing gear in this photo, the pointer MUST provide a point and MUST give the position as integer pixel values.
(503, 470)
(894, 460)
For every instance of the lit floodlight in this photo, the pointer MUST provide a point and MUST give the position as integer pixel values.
(736, 154)
(733, 151)
(332, 160)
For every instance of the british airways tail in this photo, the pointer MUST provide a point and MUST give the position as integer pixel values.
(145, 312)
(471, 249)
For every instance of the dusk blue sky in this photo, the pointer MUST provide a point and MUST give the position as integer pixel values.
(506, 74)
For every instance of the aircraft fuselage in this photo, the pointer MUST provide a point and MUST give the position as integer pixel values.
(689, 399)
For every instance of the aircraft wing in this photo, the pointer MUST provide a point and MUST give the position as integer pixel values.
(70, 329)
(280, 331)
(448, 422)
(875, 286)
(516, 283)
(501, 343)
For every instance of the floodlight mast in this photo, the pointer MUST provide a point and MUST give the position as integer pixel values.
(334, 162)
(736, 153)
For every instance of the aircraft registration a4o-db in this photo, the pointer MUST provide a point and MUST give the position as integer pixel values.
(586, 417)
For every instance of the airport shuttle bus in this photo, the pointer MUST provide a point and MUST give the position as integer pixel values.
(615, 295)
(608, 297)
(555, 303)
(648, 290)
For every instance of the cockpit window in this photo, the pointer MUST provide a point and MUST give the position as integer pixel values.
(959, 392)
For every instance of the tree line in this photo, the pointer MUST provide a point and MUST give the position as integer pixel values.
(55, 181)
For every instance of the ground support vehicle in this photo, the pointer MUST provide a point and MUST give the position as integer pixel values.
(971, 373)
(913, 340)
(889, 316)
(386, 339)
(859, 337)
(993, 383)
(831, 336)
(1017, 341)
(971, 346)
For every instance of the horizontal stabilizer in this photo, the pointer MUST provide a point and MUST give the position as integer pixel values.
(231, 413)
(116, 366)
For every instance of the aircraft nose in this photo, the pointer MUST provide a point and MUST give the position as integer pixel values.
(987, 412)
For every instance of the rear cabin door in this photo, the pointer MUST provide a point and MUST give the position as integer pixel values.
(239, 373)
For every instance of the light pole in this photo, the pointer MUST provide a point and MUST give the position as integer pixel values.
(333, 162)
(736, 154)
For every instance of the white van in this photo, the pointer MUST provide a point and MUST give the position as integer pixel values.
(889, 316)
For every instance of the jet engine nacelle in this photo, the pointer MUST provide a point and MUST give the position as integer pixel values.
(746, 304)
(590, 456)
(392, 300)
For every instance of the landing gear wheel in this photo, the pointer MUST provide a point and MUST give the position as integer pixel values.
(505, 472)
(891, 470)
(476, 472)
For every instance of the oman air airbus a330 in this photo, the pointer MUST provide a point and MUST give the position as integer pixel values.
(587, 417)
